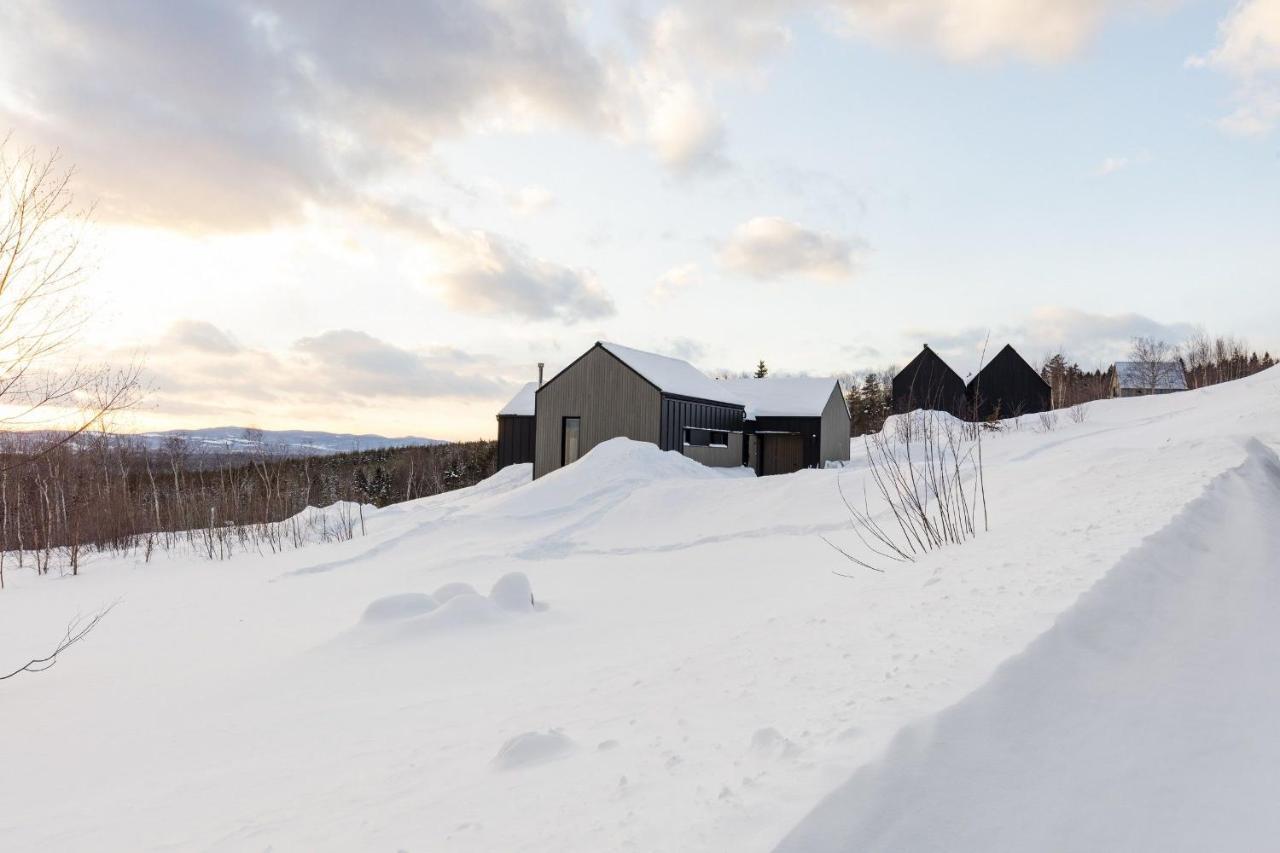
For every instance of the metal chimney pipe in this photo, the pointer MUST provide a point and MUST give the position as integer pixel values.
(540, 366)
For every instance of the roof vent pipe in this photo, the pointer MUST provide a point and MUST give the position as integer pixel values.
(540, 366)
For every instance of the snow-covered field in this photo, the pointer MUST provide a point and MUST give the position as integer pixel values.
(1096, 672)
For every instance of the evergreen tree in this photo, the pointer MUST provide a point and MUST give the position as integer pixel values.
(761, 370)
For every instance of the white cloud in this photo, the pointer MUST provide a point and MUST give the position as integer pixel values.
(1112, 165)
(677, 280)
(685, 130)
(488, 274)
(530, 200)
(770, 247)
(1248, 50)
(195, 362)
(237, 114)
(1039, 30)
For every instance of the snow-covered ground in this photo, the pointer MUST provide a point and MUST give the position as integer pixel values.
(1096, 672)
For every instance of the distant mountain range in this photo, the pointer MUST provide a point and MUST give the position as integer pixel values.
(291, 442)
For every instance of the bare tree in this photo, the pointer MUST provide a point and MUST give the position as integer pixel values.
(77, 629)
(1153, 363)
(41, 388)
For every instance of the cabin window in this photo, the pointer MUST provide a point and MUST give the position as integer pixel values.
(696, 437)
(571, 440)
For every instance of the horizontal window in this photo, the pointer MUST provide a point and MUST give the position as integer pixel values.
(697, 437)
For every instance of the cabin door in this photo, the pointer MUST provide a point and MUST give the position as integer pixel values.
(571, 440)
(781, 454)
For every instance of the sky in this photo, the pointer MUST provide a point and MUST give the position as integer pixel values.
(380, 221)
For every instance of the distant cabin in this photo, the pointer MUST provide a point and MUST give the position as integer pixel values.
(1007, 387)
(928, 382)
(792, 422)
(516, 425)
(612, 391)
(1138, 379)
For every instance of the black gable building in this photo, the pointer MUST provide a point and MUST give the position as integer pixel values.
(1008, 387)
(929, 383)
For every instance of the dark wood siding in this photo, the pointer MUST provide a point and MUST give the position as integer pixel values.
(809, 429)
(928, 382)
(781, 453)
(680, 412)
(1007, 387)
(515, 439)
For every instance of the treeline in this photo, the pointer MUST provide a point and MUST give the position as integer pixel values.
(111, 494)
(1209, 360)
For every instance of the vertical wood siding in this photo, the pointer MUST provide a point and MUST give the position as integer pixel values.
(835, 428)
(612, 400)
(515, 439)
(678, 413)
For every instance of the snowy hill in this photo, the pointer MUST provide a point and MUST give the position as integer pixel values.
(690, 673)
(294, 442)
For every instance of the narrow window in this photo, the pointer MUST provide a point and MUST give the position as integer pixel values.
(571, 440)
(720, 439)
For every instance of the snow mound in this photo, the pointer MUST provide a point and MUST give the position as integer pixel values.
(513, 592)
(452, 590)
(772, 744)
(454, 605)
(614, 467)
(405, 605)
(531, 748)
(1143, 720)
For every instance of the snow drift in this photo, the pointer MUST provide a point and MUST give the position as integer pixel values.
(1143, 720)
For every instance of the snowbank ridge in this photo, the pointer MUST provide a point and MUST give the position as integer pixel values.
(1143, 720)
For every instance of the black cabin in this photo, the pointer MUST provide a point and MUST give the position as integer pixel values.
(1008, 387)
(516, 428)
(929, 383)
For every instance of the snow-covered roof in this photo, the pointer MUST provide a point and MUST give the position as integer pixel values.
(674, 375)
(784, 396)
(1136, 374)
(522, 402)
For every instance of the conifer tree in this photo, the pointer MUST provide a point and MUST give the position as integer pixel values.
(761, 370)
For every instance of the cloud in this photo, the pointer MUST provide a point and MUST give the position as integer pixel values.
(1092, 339)
(686, 132)
(1112, 165)
(1248, 50)
(1038, 30)
(195, 362)
(490, 275)
(770, 247)
(527, 201)
(493, 276)
(236, 114)
(200, 335)
(677, 280)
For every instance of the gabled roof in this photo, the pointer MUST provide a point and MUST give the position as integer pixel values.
(997, 363)
(1137, 375)
(522, 402)
(673, 375)
(783, 396)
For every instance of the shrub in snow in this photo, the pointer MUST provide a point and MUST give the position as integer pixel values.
(513, 592)
(529, 748)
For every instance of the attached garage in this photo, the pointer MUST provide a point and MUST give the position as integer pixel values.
(793, 422)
